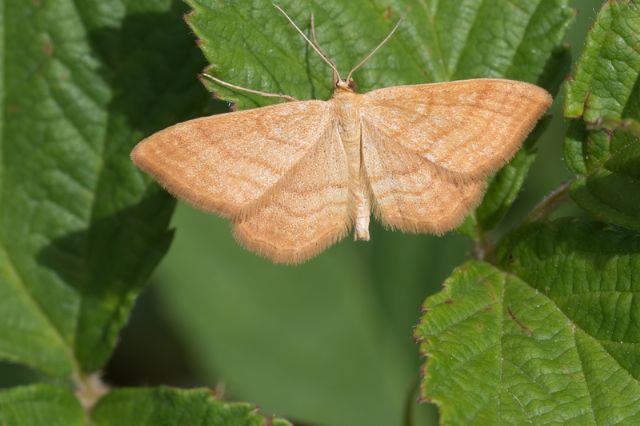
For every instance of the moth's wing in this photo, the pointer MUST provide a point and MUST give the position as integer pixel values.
(409, 192)
(307, 211)
(427, 148)
(226, 163)
(468, 127)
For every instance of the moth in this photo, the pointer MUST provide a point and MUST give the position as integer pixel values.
(296, 177)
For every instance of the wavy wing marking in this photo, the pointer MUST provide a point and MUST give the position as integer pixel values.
(468, 127)
(307, 211)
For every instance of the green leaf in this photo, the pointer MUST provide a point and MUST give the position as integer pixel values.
(490, 327)
(40, 405)
(606, 76)
(574, 155)
(552, 337)
(80, 228)
(604, 147)
(48, 405)
(526, 33)
(167, 406)
(609, 189)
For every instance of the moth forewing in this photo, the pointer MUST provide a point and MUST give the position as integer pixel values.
(227, 163)
(468, 127)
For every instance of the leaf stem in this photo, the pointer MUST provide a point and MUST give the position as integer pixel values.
(549, 204)
(627, 125)
(483, 248)
(89, 388)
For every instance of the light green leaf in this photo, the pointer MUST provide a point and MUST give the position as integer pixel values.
(167, 406)
(80, 228)
(552, 338)
(604, 149)
(425, 49)
(40, 405)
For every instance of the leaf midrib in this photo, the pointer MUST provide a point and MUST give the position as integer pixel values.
(576, 327)
(586, 382)
(446, 75)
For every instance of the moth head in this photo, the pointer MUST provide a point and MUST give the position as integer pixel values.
(346, 85)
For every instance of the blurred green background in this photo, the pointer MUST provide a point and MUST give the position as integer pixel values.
(325, 343)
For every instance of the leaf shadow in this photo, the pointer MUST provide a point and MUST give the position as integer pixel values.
(100, 259)
(152, 63)
(107, 264)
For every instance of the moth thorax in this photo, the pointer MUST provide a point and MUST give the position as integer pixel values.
(347, 106)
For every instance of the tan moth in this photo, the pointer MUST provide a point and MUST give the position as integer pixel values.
(295, 177)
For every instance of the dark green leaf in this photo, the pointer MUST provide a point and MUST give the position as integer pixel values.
(80, 228)
(610, 188)
(574, 154)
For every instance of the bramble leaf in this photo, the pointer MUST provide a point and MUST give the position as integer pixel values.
(80, 228)
(552, 336)
(603, 148)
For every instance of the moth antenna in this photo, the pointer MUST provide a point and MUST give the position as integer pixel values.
(373, 52)
(314, 39)
(304, 36)
(244, 89)
(312, 25)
